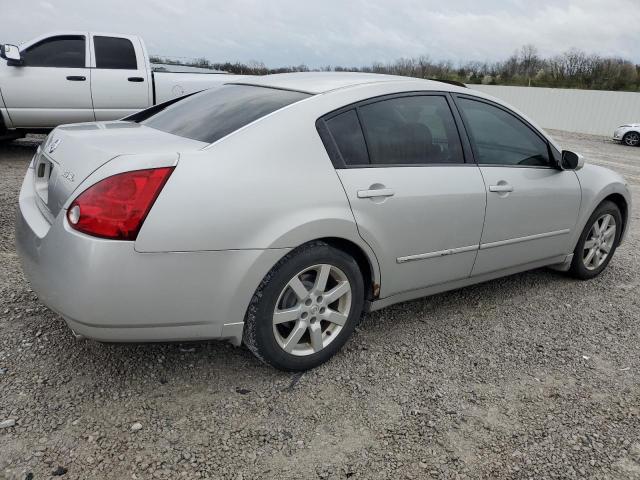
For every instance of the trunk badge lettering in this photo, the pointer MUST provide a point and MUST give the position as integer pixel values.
(69, 175)
(54, 145)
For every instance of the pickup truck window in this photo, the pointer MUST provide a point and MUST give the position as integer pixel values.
(210, 115)
(117, 53)
(61, 52)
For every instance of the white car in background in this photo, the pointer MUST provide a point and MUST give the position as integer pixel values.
(628, 134)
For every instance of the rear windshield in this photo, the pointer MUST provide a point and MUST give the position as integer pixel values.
(210, 115)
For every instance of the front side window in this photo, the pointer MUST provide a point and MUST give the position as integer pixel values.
(210, 115)
(411, 130)
(500, 138)
(116, 53)
(61, 52)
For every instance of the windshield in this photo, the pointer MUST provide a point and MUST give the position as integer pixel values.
(210, 115)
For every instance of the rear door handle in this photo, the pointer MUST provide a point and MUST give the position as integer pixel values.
(501, 188)
(378, 192)
(76, 78)
(135, 79)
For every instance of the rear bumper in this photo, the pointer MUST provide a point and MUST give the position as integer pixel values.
(108, 291)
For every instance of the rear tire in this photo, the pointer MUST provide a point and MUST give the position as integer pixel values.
(598, 242)
(631, 139)
(305, 309)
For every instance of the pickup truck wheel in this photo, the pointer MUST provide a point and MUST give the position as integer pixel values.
(598, 242)
(7, 136)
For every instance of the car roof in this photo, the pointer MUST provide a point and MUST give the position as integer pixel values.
(322, 82)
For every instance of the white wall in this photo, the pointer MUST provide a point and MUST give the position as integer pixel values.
(583, 111)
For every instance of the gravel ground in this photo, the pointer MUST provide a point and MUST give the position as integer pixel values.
(531, 376)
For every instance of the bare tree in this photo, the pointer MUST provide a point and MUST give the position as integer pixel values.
(573, 69)
(529, 61)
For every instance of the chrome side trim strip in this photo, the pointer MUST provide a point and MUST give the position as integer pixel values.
(483, 246)
(537, 236)
(439, 253)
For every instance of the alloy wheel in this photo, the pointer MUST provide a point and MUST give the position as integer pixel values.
(599, 241)
(312, 309)
(632, 139)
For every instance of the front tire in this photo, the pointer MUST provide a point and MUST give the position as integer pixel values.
(598, 242)
(631, 139)
(305, 309)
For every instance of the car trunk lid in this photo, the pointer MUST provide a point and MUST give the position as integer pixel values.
(73, 152)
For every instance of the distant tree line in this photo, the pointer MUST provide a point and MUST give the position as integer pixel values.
(571, 69)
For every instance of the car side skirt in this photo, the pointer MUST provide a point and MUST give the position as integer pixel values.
(560, 261)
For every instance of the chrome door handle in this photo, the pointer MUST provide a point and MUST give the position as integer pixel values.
(378, 192)
(500, 188)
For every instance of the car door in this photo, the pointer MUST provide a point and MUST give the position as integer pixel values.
(415, 200)
(532, 206)
(51, 85)
(119, 80)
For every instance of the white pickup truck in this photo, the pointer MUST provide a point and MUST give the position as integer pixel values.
(69, 77)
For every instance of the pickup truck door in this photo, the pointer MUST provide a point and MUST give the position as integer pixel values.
(120, 79)
(51, 86)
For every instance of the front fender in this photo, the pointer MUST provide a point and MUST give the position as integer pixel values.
(5, 120)
(597, 183)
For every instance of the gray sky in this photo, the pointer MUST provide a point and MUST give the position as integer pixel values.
(341, 32)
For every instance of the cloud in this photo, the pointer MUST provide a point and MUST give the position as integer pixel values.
(338, 32)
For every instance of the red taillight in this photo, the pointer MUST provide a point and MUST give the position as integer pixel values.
(117, 206)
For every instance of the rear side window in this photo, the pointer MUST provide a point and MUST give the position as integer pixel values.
(500, 138)
(62, 52)
(345, 130)
(411, 130)
(117, 53)
(210, 115)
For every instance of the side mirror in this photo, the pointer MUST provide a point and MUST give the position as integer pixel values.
(11, 53)
(572, 160)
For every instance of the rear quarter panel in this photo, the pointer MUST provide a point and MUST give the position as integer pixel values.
(269, 186)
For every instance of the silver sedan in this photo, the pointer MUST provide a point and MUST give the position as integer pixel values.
(276, 212)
